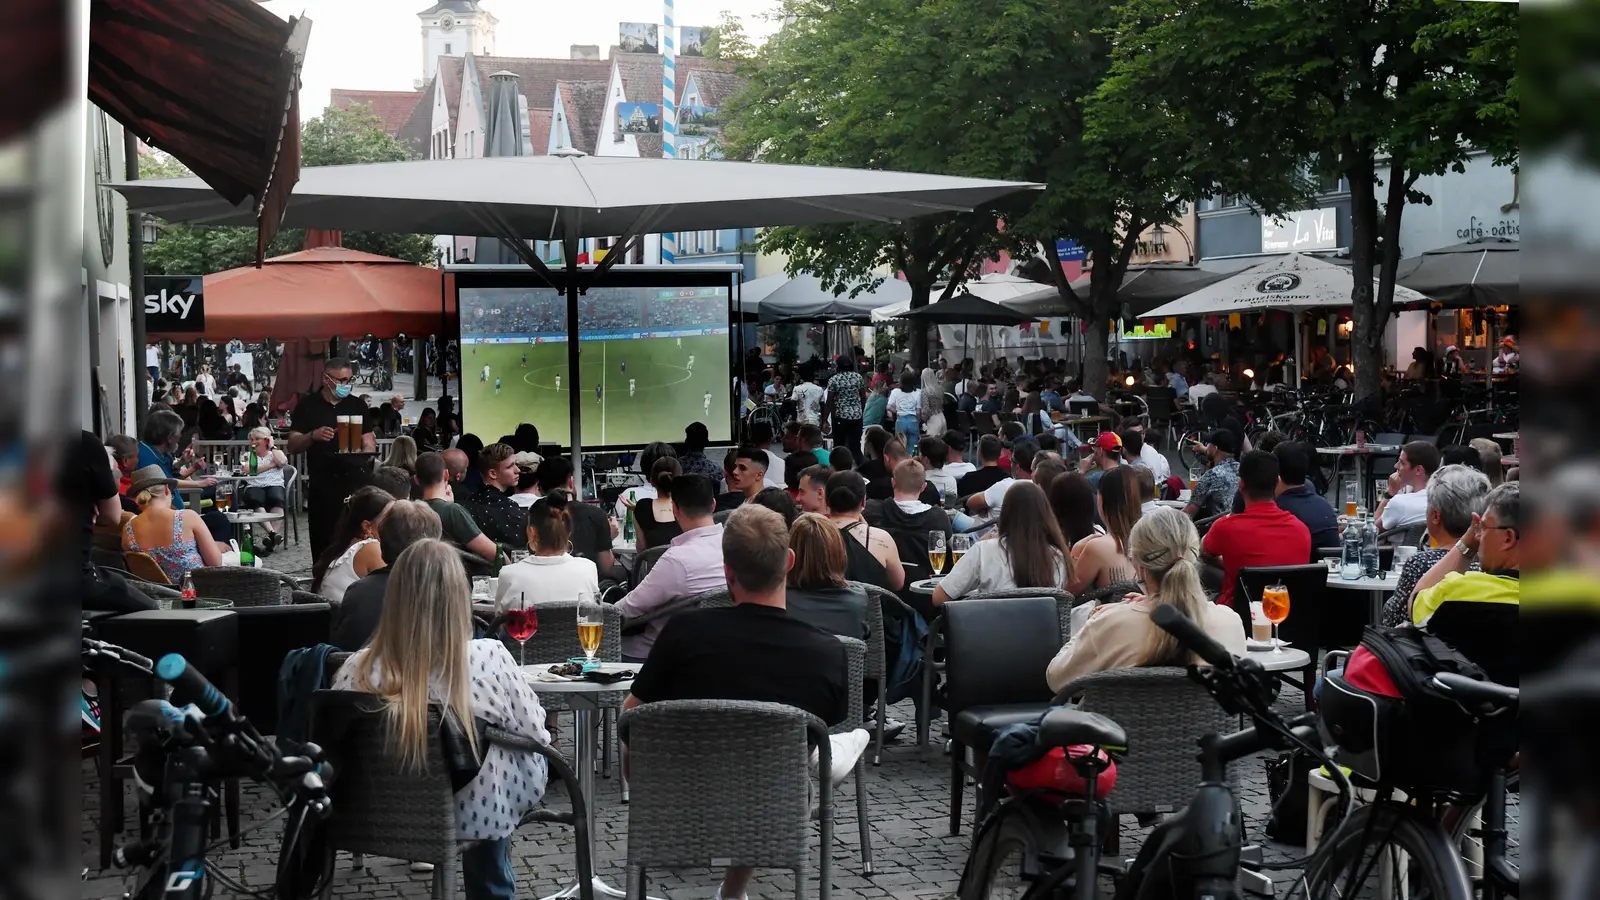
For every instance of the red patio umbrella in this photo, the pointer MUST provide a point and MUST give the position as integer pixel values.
(318, 293)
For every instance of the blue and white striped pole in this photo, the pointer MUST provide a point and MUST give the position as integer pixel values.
(669, 111)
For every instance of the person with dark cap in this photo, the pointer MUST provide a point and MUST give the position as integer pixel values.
(693, 456)
(1213, 493)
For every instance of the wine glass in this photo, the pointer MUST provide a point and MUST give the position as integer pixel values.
(1275, 606)
(522, 624)
(591, 621)
(959, 545)
(936, 552)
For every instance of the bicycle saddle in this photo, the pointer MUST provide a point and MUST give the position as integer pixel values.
(1065, 726)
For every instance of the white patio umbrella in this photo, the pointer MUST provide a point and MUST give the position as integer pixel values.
(1291, 282)
(570, 195)
(1019, 294)
(803, 298)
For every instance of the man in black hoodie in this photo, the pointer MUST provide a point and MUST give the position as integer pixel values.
(883, 488)
(909, 519)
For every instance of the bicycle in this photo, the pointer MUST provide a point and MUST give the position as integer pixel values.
(1032, 848)
(183, 755)
(1415, 844)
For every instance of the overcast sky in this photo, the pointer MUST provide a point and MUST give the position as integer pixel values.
(377, 44)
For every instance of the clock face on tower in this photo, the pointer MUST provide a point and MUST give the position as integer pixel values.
(447, 23)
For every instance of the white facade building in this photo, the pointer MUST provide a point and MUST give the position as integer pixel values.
(454, 28)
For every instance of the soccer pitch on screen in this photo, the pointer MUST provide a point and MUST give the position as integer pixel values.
(640, 381)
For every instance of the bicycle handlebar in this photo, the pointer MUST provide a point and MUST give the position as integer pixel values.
(192, 687)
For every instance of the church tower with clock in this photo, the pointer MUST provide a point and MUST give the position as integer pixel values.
(454, 28)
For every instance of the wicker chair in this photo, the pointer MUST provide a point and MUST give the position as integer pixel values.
(718, 599)
(1163, 714)
(877, 662)
(383, 808)
(144, 567)
(246, 586)
(636, 625)
(681, 754)
(856, 655)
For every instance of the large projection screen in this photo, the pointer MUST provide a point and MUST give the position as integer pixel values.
(655, 347)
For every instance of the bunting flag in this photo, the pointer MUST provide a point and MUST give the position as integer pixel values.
(1172, 324)
(1234, 320)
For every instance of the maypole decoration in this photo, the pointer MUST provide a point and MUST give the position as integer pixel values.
(669, 111)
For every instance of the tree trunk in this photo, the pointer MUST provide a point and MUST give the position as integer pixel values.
(1097, 343)
(1366, 340)
(918, 337)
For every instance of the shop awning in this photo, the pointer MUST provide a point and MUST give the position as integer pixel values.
(214, 83)
(318, 293)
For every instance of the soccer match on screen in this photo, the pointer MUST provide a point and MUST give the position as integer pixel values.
(653, 359)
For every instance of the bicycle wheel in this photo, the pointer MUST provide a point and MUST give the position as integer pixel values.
(1188, 455)
(1382, 852)
(996, 870)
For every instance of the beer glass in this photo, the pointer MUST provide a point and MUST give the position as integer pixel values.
(959, 545)
(1352, 498)
(1275, 606)
(936, 552)
(591, 619)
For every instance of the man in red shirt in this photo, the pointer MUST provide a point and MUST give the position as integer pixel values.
(1264, 534)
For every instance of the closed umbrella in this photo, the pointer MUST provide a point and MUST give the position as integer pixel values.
(1479, 273)
(502, 136)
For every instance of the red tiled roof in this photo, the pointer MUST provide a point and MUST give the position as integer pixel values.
(716, 85)
(537, 77)
(641, 77)
(392, 107)
(585, 103)
(539, 128)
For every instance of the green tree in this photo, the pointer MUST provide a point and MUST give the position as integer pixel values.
(338, 137)
(1344, 88)
(728, 40)
(846, 84)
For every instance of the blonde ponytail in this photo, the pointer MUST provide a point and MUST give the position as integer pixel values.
(1166, 545)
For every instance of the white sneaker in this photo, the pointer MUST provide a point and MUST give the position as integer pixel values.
(422, 867)
(720, 897)
(847, 748)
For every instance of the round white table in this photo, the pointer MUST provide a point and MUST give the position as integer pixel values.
(1505, 436)
(253, 517)
(1376, 589)
(924, 587)
(583, 695)
(1291, 659)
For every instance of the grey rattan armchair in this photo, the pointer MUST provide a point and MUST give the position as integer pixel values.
(637, 624)
(877, 662)
(1163, 714)
(383, 808)
(682, 754)
(245, 586)
(720, 599)
(856, 655)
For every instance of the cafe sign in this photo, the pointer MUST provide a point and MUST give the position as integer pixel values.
(1298, 232)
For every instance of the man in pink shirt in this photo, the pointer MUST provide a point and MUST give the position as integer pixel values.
(691, 565)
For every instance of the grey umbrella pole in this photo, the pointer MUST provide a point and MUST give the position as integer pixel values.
(574, 373)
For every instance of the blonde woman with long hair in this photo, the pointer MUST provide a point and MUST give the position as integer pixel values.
(403, 454)
(422, 652)
(1166, 553)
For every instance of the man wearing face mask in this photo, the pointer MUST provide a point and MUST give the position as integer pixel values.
(313, 430)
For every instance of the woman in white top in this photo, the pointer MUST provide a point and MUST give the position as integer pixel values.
(551, 573)
(266, 489)
(1029, 551)
(905, 407)
(423, 651)
(205, 381)
(931, 395)
(354, 550)
(1166, 552)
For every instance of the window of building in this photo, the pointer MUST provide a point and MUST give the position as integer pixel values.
(448, 50)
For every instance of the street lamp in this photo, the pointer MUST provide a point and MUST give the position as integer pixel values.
(149, 229)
